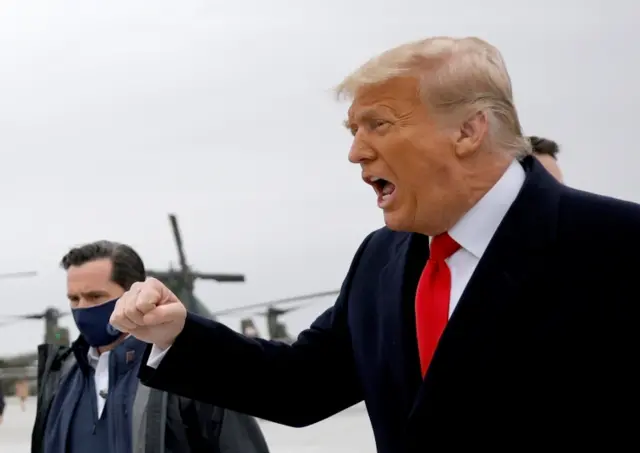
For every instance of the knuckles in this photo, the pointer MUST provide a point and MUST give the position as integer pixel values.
(139, 300)
(137, 286)
(153, 282)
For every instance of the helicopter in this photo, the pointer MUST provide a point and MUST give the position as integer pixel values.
(181, 282)
(277, 330)
(14, 367)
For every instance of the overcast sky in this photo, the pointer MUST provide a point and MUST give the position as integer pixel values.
(115, 113)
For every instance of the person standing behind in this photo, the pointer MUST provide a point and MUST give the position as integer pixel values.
(89, 396)
(546, 151)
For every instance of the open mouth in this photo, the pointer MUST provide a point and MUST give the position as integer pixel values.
(384, 189)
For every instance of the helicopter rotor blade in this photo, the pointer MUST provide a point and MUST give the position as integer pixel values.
(29, 317)
(26, 316)
(278, 311)
(223, 278)
(19, 274)
(178, 238)
(19, 318)
(157, 274)
(305, 297)
(35, 316)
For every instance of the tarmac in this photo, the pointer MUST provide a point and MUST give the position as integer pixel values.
(349, 431)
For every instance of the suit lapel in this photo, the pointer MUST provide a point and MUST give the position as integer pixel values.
(514, 258)
(397, 288)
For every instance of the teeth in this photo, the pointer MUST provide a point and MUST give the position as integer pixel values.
(375, 179)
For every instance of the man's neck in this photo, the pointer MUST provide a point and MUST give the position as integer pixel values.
(484, 176)
(480, 181)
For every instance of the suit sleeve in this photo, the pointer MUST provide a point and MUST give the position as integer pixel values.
(296, 385)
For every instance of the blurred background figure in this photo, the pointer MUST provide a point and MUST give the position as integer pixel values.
(250, 331)
(547, 153)
(2, 404)
(22, 392)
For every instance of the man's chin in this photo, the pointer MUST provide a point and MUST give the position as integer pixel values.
(396, 222)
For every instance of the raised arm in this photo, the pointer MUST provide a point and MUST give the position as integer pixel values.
(296, 385)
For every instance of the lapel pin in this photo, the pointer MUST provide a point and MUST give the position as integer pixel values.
(129, 356)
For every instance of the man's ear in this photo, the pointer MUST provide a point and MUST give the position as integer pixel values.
(471, 134)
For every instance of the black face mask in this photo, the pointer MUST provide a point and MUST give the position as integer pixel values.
(93, 324)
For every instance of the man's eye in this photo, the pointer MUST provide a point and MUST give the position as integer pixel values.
(378, 123)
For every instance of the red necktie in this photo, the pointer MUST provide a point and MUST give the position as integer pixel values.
(432, 297)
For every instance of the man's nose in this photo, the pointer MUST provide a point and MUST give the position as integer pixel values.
(360, 152)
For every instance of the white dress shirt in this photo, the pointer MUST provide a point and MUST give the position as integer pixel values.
(473, 232)
(100, 364)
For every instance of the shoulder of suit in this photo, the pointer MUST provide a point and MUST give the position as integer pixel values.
(583, 203)
(584, 216)
(386, 235)
(384, 240)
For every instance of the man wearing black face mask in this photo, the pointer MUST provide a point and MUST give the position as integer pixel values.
(89, 396)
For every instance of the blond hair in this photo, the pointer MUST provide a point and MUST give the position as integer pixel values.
(458, 77)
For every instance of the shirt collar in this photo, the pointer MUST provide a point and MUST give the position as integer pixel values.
(93, 356)
(476, 228)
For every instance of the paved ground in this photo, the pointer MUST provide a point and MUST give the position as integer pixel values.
(348, 432)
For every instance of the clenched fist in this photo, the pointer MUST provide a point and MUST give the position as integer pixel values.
(150, 312)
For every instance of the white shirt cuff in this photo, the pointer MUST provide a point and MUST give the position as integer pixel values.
(156, 356)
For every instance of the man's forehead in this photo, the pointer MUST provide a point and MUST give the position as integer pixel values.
(395, 93)
(93, 272)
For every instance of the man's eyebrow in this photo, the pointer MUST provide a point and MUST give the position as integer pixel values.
(96, 292)
(364, 115)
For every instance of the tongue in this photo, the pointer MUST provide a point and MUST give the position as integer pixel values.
(388, 188)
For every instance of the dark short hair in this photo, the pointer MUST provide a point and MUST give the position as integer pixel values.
(128, 267)
(544, 146)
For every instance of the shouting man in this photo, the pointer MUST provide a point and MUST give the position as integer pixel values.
(495, 309)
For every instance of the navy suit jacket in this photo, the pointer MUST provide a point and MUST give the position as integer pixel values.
(541, 348)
